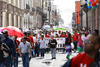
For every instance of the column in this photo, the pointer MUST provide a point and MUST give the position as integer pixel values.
(14, 2)
(18, 21)
(9, 1)
(15, 21)
(18, 3)
(10, 19)
(4, 19)
(21, 20)
(4, 0)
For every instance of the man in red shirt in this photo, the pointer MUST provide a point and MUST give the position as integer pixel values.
(75, 40)
(91, 49)
(90, 57)
(30, 37)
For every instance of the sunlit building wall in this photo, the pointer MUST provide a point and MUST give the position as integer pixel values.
(93, 17)
(11, 13)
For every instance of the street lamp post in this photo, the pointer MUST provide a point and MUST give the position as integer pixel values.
(49, 9)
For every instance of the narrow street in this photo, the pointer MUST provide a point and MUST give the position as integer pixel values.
(48, 33)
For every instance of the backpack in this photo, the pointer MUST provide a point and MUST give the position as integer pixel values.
(5, 51)
(1, 56)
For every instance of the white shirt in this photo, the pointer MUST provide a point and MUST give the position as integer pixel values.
(25, 48)
(83, 37)
(42, 43)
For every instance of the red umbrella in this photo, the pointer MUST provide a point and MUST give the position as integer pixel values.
(17, 31)
(10, 31)
(13, 31)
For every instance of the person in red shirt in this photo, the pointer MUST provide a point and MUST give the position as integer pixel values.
(30, 37)
(26, 35)
(91, 49)
(63, 34)
(47, 35)
(91, 55)
(75, 40)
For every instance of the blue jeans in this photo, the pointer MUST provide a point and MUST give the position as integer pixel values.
(25, 59)
(53, 52)
(8, 62)
(1, 64)
(42, 52)
(16, 61)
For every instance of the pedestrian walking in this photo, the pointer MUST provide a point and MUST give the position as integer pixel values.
(75, 40)
(25, 51)
(42, 46)
(1, 54)
(16, 45)
(12, 50)
(68, 45)
(80, 43)
(52, 44)
(36, 45)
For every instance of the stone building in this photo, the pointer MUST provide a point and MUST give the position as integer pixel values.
(11, 13)
(93, 17)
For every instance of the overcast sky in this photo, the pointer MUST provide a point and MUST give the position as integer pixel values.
(66, 8)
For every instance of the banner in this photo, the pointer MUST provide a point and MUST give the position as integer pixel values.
(60, 42)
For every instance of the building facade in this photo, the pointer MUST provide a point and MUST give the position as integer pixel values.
(27, 14)
(29, 10)
(11, 13)
(93, 17)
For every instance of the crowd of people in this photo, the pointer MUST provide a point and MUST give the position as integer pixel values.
(34, 45)
(90, 57)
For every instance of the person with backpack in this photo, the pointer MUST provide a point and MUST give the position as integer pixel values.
(1, 54)
(12, 50)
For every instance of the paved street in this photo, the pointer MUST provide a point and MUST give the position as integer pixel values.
(47, 62)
